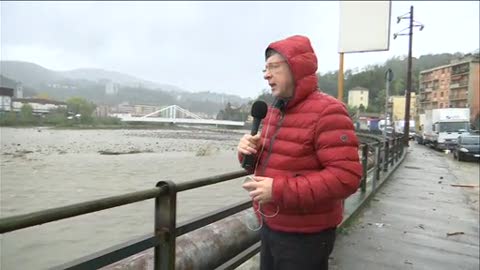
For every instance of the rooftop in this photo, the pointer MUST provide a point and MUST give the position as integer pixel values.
(39, 101)
(4, 91)
(358, 88)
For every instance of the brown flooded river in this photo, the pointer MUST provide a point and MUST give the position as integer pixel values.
(43, 168)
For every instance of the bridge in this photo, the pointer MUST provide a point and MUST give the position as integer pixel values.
(176, 115)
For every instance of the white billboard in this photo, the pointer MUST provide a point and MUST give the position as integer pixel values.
(364, 26)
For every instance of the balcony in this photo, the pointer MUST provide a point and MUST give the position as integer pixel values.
(455, 77)
(459, 84)
(459, 73)
(423, 80)
(461, 69)
(427, 89)
(457, 97)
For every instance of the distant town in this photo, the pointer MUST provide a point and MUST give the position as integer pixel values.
(452, 85)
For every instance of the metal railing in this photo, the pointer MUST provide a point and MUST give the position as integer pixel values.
(458, 84)
(377, 156)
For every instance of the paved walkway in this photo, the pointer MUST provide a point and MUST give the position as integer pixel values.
(405, 226)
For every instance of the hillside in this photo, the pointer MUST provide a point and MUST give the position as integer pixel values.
(28, 73)
(99, 75)
(90, 84)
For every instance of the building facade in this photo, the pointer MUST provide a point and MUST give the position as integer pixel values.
(6, 95)
(434, 88)
(398, 106)
(455, 85)
(358, 96)
(141, 109)
(39, 105)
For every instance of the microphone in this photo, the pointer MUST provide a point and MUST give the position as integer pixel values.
(259, 111)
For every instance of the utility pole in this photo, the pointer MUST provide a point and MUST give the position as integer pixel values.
(406, 128)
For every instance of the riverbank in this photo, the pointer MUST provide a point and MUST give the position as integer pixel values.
(149, 126)
(45, 168)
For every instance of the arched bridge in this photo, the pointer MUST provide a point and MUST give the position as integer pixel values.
(177, 115)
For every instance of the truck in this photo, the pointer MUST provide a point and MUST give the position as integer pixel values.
(362, 123)
(400, 125)
(382, 124)
(373, 125)
(443, 126)
(419, 129)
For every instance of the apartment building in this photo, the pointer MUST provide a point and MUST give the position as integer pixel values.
(455, 85)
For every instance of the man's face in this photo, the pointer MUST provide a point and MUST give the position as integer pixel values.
(279, 77)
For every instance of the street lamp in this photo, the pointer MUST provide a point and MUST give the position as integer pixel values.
(388, 80)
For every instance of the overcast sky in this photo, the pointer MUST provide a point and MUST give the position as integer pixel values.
(210, 46)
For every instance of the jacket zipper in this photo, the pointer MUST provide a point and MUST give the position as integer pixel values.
(277, 128)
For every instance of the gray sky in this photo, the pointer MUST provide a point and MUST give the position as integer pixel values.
(215, 46)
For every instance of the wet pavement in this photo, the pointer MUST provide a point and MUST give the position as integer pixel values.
(417, 220)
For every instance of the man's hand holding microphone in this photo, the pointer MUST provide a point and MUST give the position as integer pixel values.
(249, 145)
(260, 189)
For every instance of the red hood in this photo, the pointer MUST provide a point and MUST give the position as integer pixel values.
(302, 60)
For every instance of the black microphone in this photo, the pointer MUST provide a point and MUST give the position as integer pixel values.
(259, 111)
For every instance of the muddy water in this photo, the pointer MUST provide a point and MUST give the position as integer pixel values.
(44, 168)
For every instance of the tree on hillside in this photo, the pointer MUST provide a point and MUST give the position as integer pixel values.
(379, 101)
(78, 105)
(26, 114)
(352, 111)
(43, 95)
(266, 95)
(233, 113)
(328, 83)
(361, 108)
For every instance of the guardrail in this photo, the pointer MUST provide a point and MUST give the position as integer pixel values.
(228, 250)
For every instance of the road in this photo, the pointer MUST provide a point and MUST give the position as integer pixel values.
(408, 223)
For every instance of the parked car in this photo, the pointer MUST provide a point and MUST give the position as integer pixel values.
(468, 146)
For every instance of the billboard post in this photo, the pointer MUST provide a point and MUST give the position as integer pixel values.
(340, 78)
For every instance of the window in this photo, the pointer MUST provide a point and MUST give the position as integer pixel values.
(434, 95)
(361, 98)
(441, 105)
(441, 94)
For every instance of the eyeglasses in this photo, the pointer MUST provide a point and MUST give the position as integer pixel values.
(273, 66)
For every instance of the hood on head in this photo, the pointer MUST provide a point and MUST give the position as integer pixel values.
(301, 58)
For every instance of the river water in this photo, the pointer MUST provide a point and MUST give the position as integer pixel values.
(43, 168)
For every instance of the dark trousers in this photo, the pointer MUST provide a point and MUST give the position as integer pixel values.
(295, 251)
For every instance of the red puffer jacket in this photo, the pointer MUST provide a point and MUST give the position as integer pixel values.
(310, 150)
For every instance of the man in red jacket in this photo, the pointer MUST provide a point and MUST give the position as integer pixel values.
(307, 162)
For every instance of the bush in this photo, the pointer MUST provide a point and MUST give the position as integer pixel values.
(107, 121)
(8, 119)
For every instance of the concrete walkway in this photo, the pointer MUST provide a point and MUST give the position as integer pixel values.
(405, 225)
